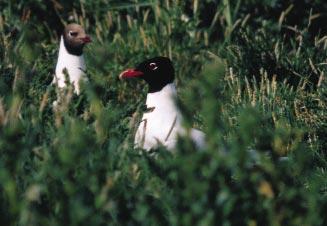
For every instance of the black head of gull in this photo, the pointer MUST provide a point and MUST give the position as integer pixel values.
(157, 72)
(75, 38)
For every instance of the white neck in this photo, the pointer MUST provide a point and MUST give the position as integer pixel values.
(68, 58)
(163, 99)
(163, 123)
(75, 66)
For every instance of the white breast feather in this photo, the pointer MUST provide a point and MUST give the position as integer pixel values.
(162, 125)
(73, 65)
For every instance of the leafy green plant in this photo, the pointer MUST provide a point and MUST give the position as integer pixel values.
(250, 74)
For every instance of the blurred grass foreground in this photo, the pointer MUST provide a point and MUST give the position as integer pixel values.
(250, 73)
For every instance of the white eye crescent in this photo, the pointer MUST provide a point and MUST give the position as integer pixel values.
(73, 33)
(153, 66)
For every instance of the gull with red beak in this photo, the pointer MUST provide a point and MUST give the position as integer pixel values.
(71, 64)
(162, 123)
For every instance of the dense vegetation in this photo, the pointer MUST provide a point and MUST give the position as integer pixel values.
(250, 74)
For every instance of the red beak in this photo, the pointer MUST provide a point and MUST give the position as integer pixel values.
(86, 39)
(130, 73)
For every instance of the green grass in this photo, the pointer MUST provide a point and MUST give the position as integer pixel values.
(250, 74)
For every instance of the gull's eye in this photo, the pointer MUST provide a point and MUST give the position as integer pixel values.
(153, 66)
(73, 33)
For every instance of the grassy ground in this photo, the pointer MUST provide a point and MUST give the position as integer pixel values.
(250, 74)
